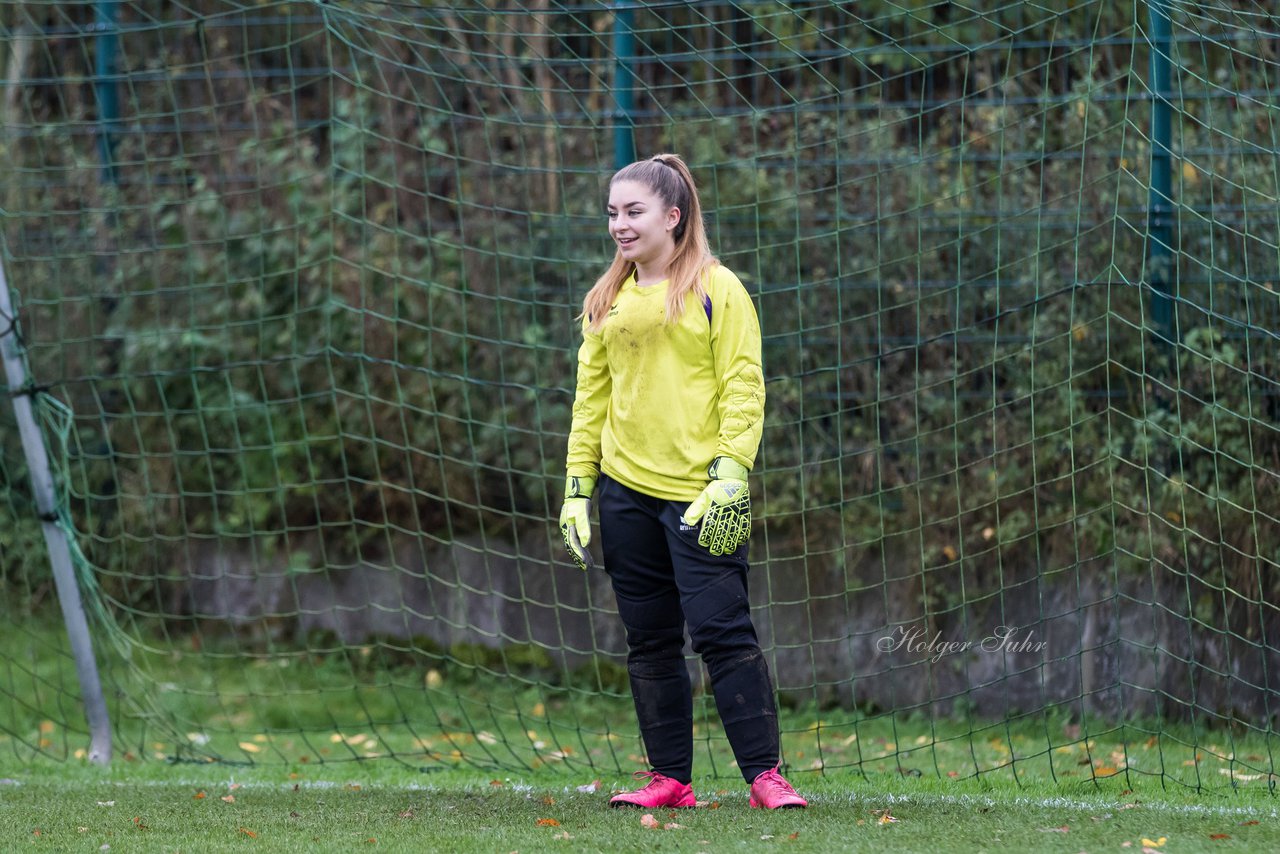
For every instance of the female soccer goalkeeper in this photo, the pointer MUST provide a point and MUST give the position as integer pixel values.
(666, 424)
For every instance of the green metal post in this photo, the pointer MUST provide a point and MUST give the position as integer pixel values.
(106, 14)
(1161, 272)
(624, 49)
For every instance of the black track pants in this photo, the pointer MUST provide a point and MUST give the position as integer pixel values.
(662, 580)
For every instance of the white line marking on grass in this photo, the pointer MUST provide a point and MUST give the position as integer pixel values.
(867, 799)
(1054, 802)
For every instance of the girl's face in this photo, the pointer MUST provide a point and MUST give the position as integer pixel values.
(640, 224)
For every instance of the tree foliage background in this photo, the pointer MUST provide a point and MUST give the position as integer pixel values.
(322, 290)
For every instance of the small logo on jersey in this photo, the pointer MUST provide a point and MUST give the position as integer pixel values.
(685, 527)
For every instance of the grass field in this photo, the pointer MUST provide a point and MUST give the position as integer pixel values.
(380, 806)
(331, 755)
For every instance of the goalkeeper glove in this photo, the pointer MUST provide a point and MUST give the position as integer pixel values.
(724, 508)
(575, 519)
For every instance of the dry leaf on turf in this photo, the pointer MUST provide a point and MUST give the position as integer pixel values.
(548, 822)
(647, 820)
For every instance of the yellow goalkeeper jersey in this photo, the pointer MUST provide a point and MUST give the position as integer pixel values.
(656, 402)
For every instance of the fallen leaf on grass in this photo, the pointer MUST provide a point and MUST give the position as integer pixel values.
(564, 834)
(199, 796)
(407, 814)
(647, 820)
(1242, 824)
(294, 814)
(793, 837)
(1219, 835)
(887, 819)
(231, 799)
(671, 825)
(1155, 843)
(249, 833)
(590, 788)
(547, 822)
(137, 822)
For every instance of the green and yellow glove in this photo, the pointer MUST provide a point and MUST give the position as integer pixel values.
(724, 508)
(575, 519)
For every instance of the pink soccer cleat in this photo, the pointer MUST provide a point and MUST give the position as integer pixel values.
(660, 792)
(771, 791)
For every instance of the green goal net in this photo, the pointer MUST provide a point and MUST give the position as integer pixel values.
(295, 286)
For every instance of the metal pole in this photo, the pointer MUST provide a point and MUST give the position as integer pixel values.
(1160, 267)
(106, 20)
(55, 537)
(624, 50)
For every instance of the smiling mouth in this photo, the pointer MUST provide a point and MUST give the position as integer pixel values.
(626, 241)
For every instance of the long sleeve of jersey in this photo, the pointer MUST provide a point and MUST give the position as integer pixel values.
(656, 402)
(590, 407)
(735, 346)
